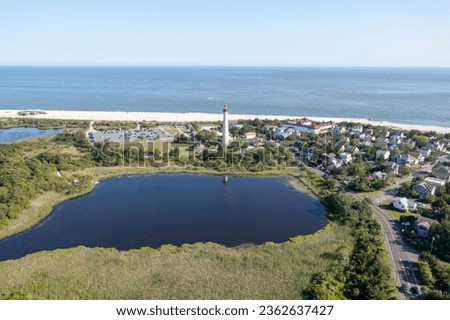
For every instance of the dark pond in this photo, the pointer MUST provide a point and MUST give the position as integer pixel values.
(17, 134)
(132, 212)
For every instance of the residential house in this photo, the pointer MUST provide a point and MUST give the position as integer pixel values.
(268, 128)
(423, 225)
(307, 155)
(284, 132)
(346, 157)
(326, 158)
(250, 135)
(424, 188)
(358, 128)
(411, 142)
(443, 173)
(352, 149)
(336, 163)
(425, 152)
(362, 155)
(420, 158)
(394, 141)
(438, 146)
(382, 155)
(339, 131)
(390, 165)
(406, 160)
(369, 132)
(383, 140)
(367, 142)
(339, 147)
(240, 126)
(207, 127)
(438, 183)
(401, 204)
(398, 134)
(379, 175)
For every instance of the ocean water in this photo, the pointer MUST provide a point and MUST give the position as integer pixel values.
(403, 95)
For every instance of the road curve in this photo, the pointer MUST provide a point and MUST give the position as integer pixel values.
(402, 256)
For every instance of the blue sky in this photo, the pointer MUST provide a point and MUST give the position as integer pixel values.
(225, 32)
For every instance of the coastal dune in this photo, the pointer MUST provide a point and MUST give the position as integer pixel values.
(199, 117)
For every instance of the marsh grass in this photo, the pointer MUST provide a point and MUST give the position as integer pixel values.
(39, 209)
(197, 271)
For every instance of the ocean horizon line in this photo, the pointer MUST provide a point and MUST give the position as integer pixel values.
(220, 66)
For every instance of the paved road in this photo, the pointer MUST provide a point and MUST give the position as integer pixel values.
(402, 256)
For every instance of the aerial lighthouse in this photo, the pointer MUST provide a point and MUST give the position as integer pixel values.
(225, 129)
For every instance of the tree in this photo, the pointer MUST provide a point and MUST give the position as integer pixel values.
(441, 233)
(331, 183)
(421, 140)
(355, 143)
(425, 274)
(325, 286)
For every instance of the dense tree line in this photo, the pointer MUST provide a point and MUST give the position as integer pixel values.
(43, 123)
(367, 273)
(25, 173)
(434, 276)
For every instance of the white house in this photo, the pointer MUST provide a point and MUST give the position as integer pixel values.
(401, 204)
(250, 135)
(382, 155)
(346, 157)
(417, 155)
(285, 131)
(379, 175)
(207, 126)
(336, 163)
(438, 183)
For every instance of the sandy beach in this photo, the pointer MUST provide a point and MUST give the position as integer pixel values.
(199, 117)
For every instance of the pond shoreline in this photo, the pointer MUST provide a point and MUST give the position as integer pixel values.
(50, 204)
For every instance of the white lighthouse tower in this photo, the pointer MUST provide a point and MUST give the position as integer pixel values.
(225, 129)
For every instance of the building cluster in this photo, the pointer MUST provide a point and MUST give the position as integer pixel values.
(131, 135)
(300, 126)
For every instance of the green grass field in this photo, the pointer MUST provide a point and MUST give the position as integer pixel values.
(199, 271)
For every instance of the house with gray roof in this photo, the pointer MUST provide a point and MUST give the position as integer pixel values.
(422, 226)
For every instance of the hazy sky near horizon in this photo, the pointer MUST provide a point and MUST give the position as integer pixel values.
(225, 32)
